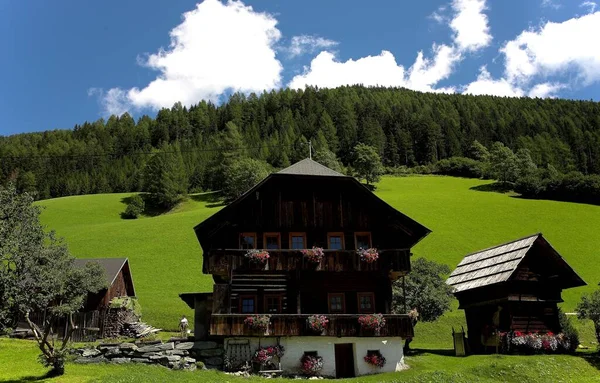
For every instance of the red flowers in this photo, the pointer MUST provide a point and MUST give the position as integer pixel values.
(258, 322)
(257, 256)
(375, 359)
(371, 321)
(314, 255)
(368, 255)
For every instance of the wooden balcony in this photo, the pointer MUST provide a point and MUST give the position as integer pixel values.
(340, 325)
(223, 262)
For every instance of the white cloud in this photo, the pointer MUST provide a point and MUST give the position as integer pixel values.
(216, 48)
(485, 84)
(591, 5)
(308, 44)
(551, 4)
(326, 71)
(554, 49)
(545, 90)
(470, 25)
(471, 33)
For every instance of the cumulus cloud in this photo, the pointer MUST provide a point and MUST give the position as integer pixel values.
(545, 90)
(470, 25)
(590, 5)
(485, 84)
(471, 33)
(304, 44)
(217, 47)
(556, 48)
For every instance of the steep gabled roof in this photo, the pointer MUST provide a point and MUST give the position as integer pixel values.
(497, 264)
(303, 168)
(310, 168)
(111, 266)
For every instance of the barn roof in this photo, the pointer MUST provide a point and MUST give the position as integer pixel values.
(497, 264)
(310, 168)
(111, 266)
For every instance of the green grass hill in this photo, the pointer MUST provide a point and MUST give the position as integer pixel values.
(166, 258)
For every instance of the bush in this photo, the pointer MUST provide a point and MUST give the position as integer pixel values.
(135, 207)
(460, 167)
(568, 329)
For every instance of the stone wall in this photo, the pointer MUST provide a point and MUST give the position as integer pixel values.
(175, 354)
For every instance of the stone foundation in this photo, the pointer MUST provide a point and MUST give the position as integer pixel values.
(175, 354)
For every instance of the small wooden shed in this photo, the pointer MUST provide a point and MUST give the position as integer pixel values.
(515, 286)
(118, 279)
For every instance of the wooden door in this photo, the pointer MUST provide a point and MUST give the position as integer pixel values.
(344, 360)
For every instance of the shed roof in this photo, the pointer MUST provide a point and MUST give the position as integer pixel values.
(111, 266)
(311, 168)
(497, 264)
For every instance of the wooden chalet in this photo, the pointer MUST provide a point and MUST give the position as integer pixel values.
(515, 286)
(306, 205)
(118, 279)
(92, 320)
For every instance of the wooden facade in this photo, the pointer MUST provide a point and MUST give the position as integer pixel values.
(303, 206)
(119, 282)
(512, 287)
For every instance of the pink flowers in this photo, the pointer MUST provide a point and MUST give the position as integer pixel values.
(317, 323)
(368, 255)
(536, 342)
(375, 359)
(257, 256)
(371, 321)
(258, 322)
(264, 354)
(311, 365)
(314, 255)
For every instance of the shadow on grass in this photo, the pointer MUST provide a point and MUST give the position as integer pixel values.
(150, 210)
(423, 351)
(593, 358)
(212, 199)
(496, 187)
(45, 376)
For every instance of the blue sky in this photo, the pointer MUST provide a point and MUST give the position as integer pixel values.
(67, 61)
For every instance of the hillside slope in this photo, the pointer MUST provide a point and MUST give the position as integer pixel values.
(166, 258)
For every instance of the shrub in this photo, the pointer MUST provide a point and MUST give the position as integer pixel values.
(569, 330)
(135, 207)
(460, 167)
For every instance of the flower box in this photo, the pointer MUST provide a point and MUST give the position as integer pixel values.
(372, 323)
(375, 359)
(257, 258)
(311, 365)
(258, 323)
(314, 255)
(368, 255)
(317, 323)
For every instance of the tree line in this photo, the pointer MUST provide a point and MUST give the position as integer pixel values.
(405, 128)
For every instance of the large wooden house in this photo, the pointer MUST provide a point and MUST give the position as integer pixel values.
(306, 205)
(515, 286)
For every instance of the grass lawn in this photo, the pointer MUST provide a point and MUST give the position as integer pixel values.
(18, 362)
(166, 260)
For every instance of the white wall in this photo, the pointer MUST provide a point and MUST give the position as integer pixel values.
(390, 348)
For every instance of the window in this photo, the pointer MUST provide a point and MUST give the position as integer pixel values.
(335, 241)
(248, 241)
(297, 241)
(272, 241)
(363, 240)
(336, 303)
(248, 304)
(273, 304)
(366, 303)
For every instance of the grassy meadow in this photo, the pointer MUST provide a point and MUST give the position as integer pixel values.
(166, 260)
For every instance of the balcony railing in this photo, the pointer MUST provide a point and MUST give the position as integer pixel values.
(340, 325)
(222, 262)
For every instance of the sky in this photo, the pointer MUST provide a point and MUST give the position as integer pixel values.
(64, 62)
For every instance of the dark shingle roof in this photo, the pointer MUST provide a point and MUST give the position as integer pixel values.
(310, 168)
(111, 266)
(497, 264)
(490, 266)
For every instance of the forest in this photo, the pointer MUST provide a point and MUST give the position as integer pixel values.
(406, 128)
